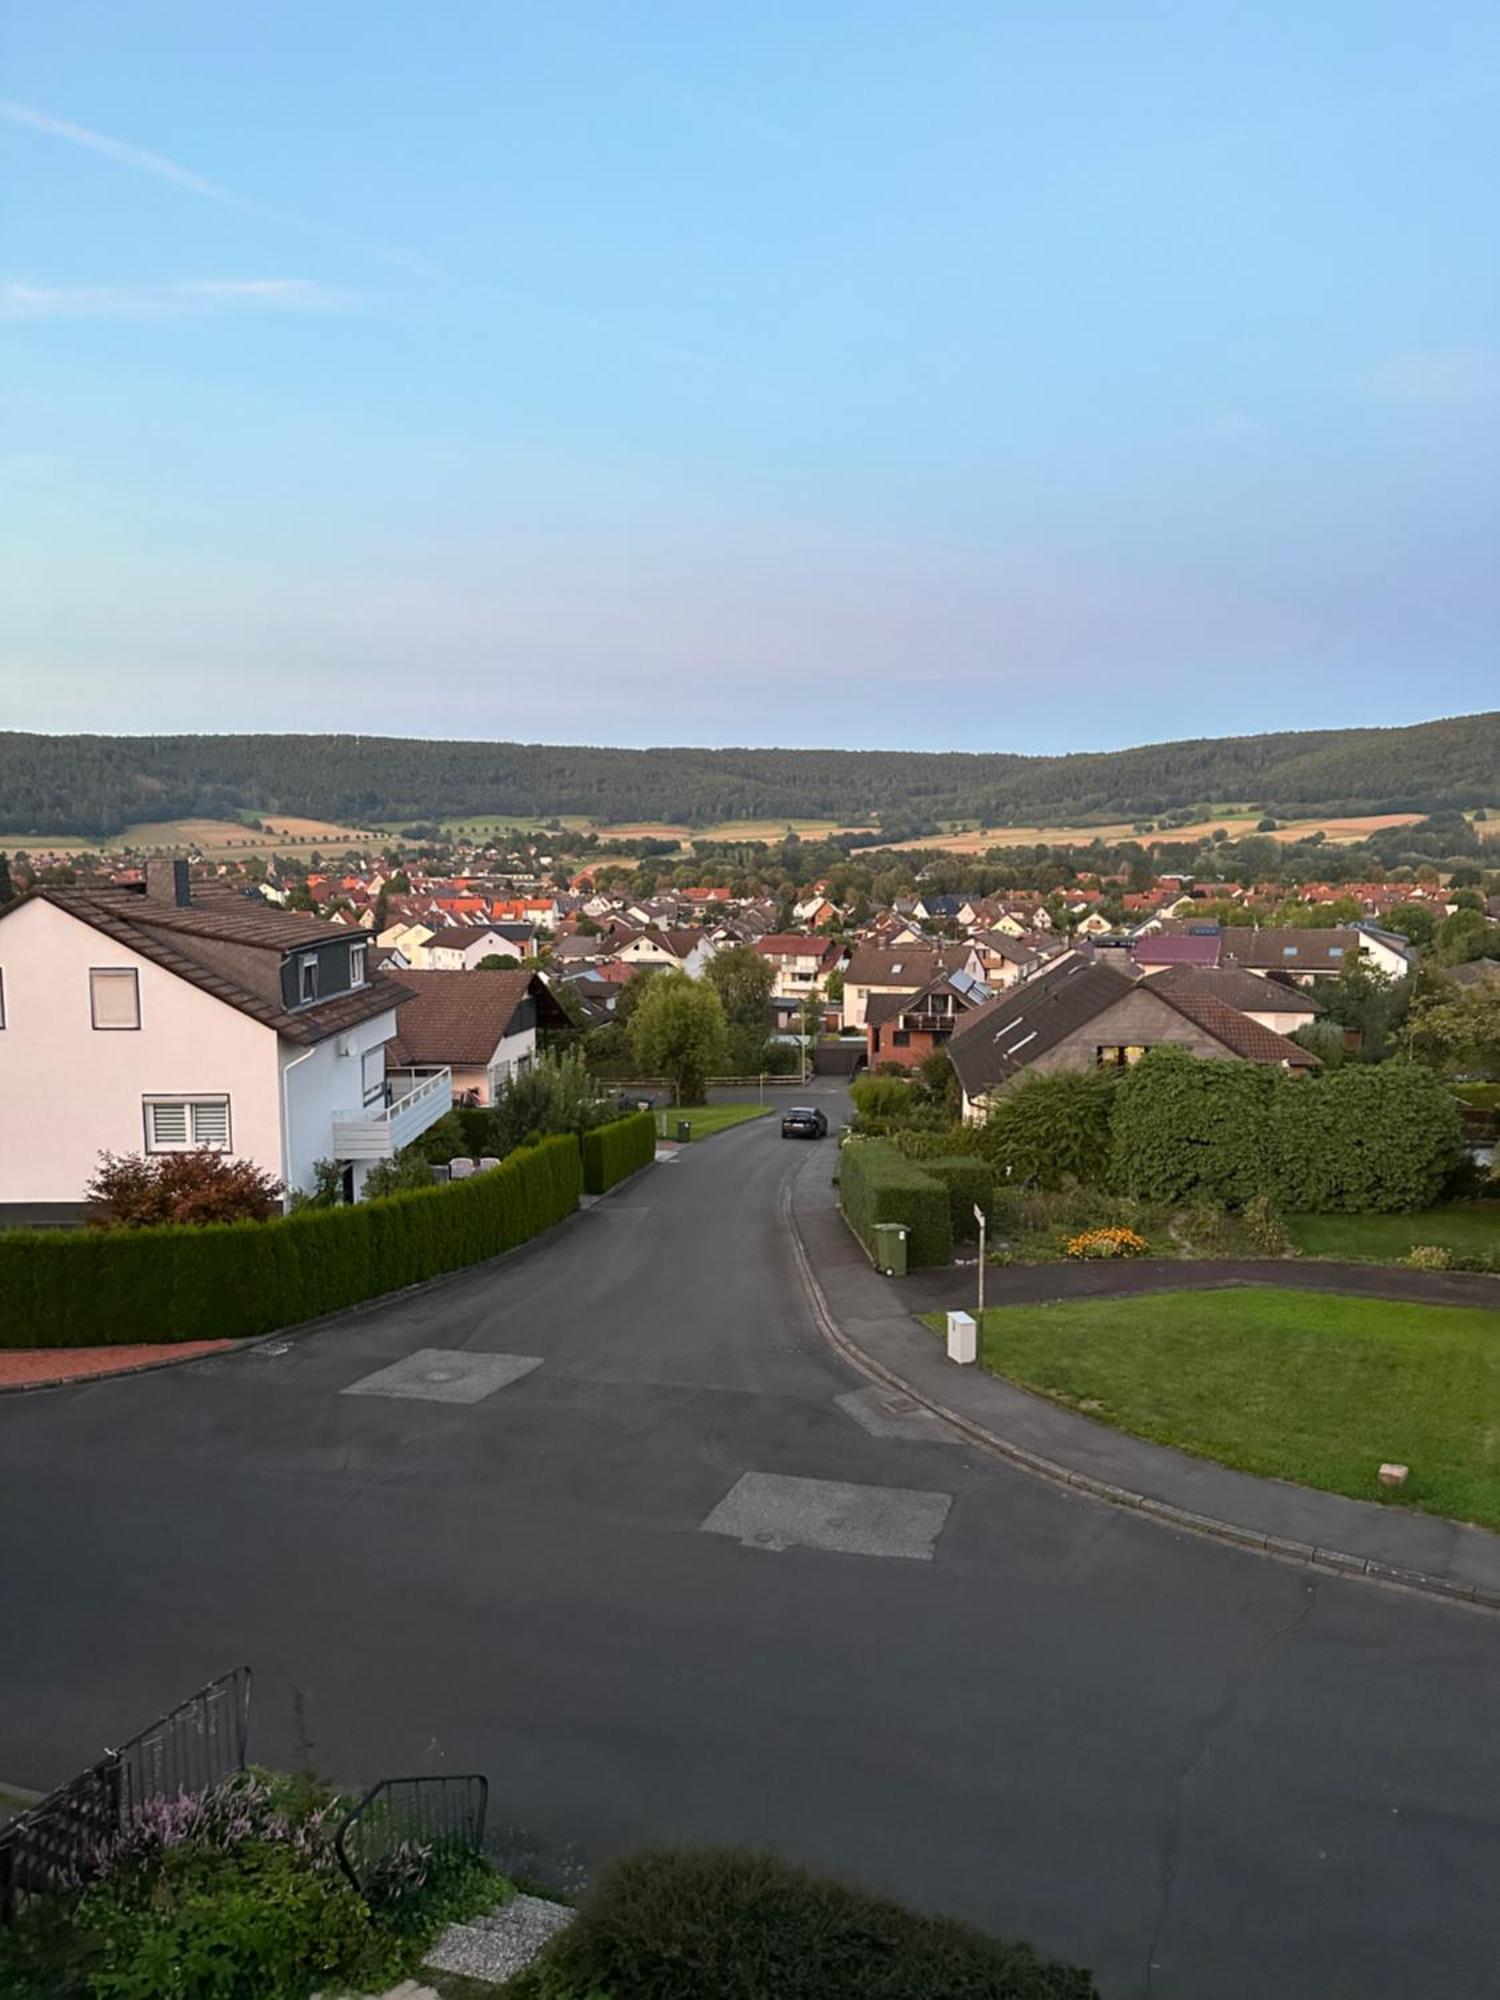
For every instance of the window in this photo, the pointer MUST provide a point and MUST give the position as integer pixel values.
(357, 955)
(1289, 951)
(307, 979)
(901, 1038)
(372, 1065)
(1120, 1056)
(178, 1124)
(114, 997)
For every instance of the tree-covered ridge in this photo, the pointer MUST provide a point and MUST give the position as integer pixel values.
(97, 785)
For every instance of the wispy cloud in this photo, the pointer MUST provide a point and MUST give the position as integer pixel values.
(139, 157)
(19, 300)
(1460, 377)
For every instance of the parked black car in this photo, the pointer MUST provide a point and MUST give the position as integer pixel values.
(803, 1121)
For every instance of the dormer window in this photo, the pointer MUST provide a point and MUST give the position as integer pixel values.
(307, 979)
(357, 957)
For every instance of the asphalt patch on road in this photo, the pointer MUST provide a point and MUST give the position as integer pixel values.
(445, 1375)
(770, 1510)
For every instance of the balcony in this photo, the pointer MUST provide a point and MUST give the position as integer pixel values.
(929, 1024)
(382, 1129)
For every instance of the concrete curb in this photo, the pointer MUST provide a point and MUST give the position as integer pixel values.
(301, 1329)
(1337, 1562)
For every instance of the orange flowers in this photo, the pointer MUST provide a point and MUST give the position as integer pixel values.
(1106, 1243)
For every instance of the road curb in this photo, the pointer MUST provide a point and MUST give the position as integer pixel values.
(1337, 1562)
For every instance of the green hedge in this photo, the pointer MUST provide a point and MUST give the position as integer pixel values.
(1364, 1139)
(612, 1151)
(878, 1184)
(1052, 1129)
(99, 1288)
(680, 1925)
(969, 1180)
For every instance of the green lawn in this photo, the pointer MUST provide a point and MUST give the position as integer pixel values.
(1295, 1385)
(1465, 1227)
(706, 1119)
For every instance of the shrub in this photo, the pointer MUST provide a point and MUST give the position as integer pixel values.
(970, 1180)
(1096, 1243)
(409, 1169)
(133, 1191)
(1265, 1228)
(885, 1097)
(1184, 1129)
(680, 1925)
(876, 1184)
(226, 1280)
(1053, 1129)
(1429, 1257)
(612, 1151)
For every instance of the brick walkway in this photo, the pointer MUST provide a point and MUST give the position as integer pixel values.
(33, 1367)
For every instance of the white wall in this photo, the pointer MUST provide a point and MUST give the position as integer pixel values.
(318, 1083)
(69, 1090)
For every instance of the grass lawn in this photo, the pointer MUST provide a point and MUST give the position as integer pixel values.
(706, 1119)
(1294, 1385)
(1463, 1226)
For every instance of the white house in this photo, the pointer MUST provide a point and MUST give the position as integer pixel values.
(460, 948)
(143, 1020)
(480, 1028)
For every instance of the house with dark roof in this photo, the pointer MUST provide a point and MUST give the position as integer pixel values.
(1081, 1014)
(907, 1028)
(158, 1018)
(1281, 1008)
(898, 969)
(480, 1027)
(1299, 955)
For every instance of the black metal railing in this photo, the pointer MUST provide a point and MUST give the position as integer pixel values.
(411, 1812)
(192, 1747)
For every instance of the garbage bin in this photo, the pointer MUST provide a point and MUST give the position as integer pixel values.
(684, 1128)
(890, 1248)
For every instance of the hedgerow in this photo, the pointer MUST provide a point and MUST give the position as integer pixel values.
(970, 1182)
(99, 1288)
(612, 1151)
(878, 1184)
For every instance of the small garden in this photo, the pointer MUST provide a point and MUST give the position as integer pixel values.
(236, 1894)
(1306, 1386)
(1177, 1158)
(704, 1120)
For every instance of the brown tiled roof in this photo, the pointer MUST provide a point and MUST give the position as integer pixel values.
(1294, 950)
(1237, 988)
(1239, 1034)
(902, 965)
(461, 1017)
(115, 916)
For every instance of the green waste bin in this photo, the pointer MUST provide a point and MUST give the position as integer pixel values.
(890, 1248)
(684, 1128)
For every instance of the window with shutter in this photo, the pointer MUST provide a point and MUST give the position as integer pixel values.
(308, 987)
(179, 1124)
(114, 997)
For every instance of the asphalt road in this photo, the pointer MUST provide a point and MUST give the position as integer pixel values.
(1200, 1772)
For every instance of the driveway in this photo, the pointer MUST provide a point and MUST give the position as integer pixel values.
(687, 1578)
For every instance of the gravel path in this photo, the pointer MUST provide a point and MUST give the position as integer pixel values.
(496, 1946)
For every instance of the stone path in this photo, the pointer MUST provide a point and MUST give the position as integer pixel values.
(499, 1945)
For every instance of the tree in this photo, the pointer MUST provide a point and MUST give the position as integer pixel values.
(1365, 999)
(498, 961)
(678, 1030)
(1466, 935)
(1457, 1030)
(134, 1192)
(1416, 922)
(743, 980)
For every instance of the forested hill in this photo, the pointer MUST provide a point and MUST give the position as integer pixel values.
(97, 785)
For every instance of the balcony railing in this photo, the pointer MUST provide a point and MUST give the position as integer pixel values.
(381, 1130)
(929, 1024)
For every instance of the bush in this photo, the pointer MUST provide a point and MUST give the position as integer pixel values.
(970, 1181)
(133, 1191)
(1265, 1228)
(1100, 1243)
(1184, 1129)
(876, 1184)
(226, 1280)
(680, 1926)
(884, 1097)
(1053, 1129)
(612, 1151)
(1430, 1257)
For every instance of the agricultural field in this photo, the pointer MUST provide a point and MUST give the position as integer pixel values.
(978, 840)
(215, 839)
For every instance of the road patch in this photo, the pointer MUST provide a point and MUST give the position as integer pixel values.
(888, 1413)
(770, 1510)
(445, 1375)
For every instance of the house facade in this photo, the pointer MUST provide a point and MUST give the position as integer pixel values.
(479, 1028)
(165, 1025)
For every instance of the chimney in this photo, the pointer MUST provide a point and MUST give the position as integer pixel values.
(167, 882)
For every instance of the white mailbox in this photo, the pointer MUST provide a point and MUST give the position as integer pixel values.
(963, 1337)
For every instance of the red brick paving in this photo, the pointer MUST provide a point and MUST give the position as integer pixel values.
(33, 1365)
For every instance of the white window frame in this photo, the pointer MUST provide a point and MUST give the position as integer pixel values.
(359, 964)
(190, 1143)
(114, 1027)
(307, 962)
(376, 1089)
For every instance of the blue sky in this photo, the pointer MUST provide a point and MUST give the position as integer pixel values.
(991, 375)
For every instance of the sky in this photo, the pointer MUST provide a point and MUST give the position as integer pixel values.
(976, 374)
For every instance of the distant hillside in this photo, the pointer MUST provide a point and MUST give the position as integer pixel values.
(96, 785)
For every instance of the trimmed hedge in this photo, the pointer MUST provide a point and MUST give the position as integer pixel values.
(100, 1288)
(681, 1925)
(612, 1151)
(878, 1184)
(969, 1180)
(1364, 1139)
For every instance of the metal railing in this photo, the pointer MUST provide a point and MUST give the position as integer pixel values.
(192, 1747)
(411, 1812)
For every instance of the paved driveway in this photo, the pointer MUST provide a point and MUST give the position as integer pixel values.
(1200, 1772)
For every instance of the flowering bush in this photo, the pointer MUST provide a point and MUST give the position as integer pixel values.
(1430, 1257)
(1106, 1243)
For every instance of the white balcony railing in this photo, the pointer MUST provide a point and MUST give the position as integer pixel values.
(381, 1130)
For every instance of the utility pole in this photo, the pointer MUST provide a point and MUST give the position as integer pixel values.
(979, 1217)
